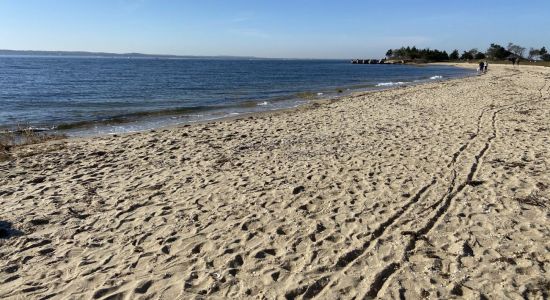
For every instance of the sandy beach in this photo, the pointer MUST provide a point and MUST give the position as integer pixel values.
(439, 190)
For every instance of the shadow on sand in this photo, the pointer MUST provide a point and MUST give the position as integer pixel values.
(7, 231)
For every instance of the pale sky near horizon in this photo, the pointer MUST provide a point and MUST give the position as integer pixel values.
(283, 28)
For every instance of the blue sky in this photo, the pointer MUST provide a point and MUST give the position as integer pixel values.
(282, 28)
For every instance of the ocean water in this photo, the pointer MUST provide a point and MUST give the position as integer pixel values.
(92, 95)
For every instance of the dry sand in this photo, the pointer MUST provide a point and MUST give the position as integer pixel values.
(437, 191)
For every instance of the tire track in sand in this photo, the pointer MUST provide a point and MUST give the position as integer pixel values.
(313, 289)
(444, 203)
(347, 260)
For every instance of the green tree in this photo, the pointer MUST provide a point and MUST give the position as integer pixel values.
(480, 55)
(413, 53)
(466, 55)
(544, 54)
(389, 53)
(497, 52)
(454, 55)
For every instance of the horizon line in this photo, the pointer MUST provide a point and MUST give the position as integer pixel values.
(103, 53)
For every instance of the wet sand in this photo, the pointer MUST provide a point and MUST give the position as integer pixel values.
(439, 190)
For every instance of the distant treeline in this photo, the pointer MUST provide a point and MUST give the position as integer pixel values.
(413, 53)
(494, 52)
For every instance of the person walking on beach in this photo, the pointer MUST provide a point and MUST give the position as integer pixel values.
(485, 66)
(480, 69)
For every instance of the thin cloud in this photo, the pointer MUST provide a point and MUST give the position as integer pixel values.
(249, 32)
(243, 17)
(240, 19)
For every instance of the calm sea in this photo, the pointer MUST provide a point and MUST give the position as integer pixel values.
(84, 95)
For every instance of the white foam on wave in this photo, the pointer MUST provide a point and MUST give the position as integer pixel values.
(390, 83)
(436, 77)
(263, 103)
(320, 94)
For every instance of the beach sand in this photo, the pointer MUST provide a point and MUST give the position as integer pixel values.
(438, 190)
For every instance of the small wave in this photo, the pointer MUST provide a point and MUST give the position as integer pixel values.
(320, 94)
(390, 83)
(25, 129)
(436, 77)
(263, 103)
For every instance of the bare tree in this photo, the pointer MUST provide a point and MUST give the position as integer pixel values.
(516, 49)
(533, 53)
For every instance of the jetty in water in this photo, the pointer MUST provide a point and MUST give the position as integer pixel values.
(376, 61)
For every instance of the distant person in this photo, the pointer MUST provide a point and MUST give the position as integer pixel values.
(485, 66)
(481, 65)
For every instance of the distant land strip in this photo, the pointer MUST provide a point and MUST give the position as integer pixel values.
(116, 55)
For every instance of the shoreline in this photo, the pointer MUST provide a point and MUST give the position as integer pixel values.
(157, 119)
(436, 190)
(304, 106)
